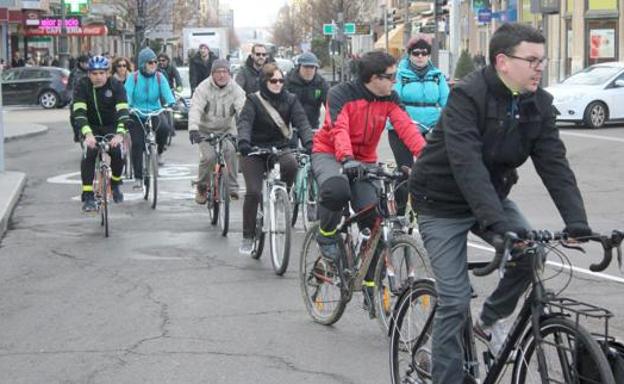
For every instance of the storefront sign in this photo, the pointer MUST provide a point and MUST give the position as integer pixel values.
(53, 22)
(85, 30)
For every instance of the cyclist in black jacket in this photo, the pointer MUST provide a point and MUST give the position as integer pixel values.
(100, 107)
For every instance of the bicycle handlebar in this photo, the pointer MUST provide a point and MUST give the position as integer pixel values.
(157, 112)
(510, 239)
(218, 137)
(271, 151)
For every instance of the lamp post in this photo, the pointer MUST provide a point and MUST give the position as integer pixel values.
(63, 54)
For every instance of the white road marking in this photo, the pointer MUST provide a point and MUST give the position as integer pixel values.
(590, 136)
(558, 265)
(169, 172)
(162, 195)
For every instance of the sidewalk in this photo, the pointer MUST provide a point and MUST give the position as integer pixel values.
(12, 183)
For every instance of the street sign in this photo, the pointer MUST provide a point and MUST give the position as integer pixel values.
(484, 15)
(362, 29)
(328, 29)
(349, 28)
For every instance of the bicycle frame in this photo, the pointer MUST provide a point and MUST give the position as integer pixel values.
(272, 183)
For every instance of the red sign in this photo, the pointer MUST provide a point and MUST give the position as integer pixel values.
(86, 30)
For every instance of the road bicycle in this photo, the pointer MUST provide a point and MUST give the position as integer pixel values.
(273, 215)
(546, 343)
(394, 256)
(304, 193)
(150, 153)
(127, 154)
(218, 202)
(102, 183)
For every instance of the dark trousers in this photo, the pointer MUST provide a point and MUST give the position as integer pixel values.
(87, 165)
(403, 157)
(254, 168)
(161, 127)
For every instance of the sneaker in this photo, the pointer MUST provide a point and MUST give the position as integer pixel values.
(201, 195)
(161, 160)
(118, 196)
(138, 185)
(329, 247)
(89, 202)
(493, 335)
(234, 195)
(247, 246)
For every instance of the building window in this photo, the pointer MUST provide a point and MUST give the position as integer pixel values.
(602, 41)
(602, 5)
(569, 6)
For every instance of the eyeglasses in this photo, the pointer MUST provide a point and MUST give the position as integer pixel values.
(152, 62)
(163, 60)
(122, 65)
(534, 62)
(419, 52)
(388, 76)
(260, 54)
(275, 81)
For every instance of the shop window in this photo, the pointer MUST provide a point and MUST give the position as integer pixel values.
(602, 41)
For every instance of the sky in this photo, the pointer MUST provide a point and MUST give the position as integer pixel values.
(255, 13)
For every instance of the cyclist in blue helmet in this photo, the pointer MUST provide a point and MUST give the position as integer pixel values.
(100, 107)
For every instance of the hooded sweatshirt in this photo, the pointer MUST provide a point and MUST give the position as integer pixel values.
(213, 109)
(149, 92)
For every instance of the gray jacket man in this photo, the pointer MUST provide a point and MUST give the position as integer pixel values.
(216, 103)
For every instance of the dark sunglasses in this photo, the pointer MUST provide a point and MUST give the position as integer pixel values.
(261, 54)
(122, 65)
(163, 60)
(152, 62)
(388, 76)
(275, 81)
(420, 52)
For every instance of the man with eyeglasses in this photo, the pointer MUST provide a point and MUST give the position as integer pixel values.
(347, 142)
(249, 74)
(200, 66)
(496, 118)
(170, 71)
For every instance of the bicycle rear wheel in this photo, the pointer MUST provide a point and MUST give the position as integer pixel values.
(153, 166)
(561, 344)
(223, 201)
(279, 234)
(410, 334)
(213, 200)
(146, 174)
(128, 170)
(406, 262)
(259, 237)
(321, 287)
(309, 206)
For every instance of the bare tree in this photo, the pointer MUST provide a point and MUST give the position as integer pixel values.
(145, 15)
(286, 32)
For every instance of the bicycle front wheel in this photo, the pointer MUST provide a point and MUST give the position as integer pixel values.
(104, 208)
(279, 234)
(128, 170)
(321, 287)
(224, 201)
(410, 334)
(153, 167)
(259, 237)
(405, 262)
(571, 355)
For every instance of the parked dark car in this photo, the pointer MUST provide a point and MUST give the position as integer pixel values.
(183, 101)
(46, 86)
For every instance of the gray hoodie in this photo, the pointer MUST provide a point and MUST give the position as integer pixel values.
(214, 109)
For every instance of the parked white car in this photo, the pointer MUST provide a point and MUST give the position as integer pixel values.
(591, 97)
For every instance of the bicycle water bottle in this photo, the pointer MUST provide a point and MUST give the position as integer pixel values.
(362, 238)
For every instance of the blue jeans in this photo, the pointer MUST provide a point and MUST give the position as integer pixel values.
(445, 241)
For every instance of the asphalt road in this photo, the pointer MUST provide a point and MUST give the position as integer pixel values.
(166, 299)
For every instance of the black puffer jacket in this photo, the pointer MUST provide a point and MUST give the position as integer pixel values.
(248, 77)
(256, 127)
(484, 134)
(312, 94)
(200, 69)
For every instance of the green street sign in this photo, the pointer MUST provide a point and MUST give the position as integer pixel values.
(328, 29)
(349, 28)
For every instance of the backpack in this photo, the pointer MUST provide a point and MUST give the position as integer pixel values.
(158, 77)
(615, 355)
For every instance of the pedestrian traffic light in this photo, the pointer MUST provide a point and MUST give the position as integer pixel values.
(439, 6)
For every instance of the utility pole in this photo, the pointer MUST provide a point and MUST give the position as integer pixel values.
(341, 38)
(435, 47)
(407, 23)
(454, 34)
(63, 49)
(385, 20)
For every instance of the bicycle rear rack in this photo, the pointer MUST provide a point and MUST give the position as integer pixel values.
(575, 309)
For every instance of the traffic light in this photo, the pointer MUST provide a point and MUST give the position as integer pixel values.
(439, 4)
(390, 17)
(397, 18)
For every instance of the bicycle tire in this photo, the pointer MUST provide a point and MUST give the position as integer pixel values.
(146, 174)
(280, 247)
(154, 175)
(213, 203)
(104, 198)
(310, 203)
(420, 266)
(406, 358)
(224, 201)
(295, 211)
(260, 234)
(311, 283)
(128, 170)
(559, 326)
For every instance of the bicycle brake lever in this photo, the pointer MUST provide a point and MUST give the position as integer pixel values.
(619, 258)
(573, 247)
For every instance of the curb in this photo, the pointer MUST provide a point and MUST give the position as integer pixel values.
(7, 210)
(39, 130)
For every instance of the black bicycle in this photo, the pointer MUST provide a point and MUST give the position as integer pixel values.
(546, 343)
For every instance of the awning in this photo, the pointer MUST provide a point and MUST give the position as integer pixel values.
(395, 39)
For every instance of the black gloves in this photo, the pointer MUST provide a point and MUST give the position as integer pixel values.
(352, 168)
(195, 137)
(308, 148)
(244, 148)
(501, 228)
(575, 230)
